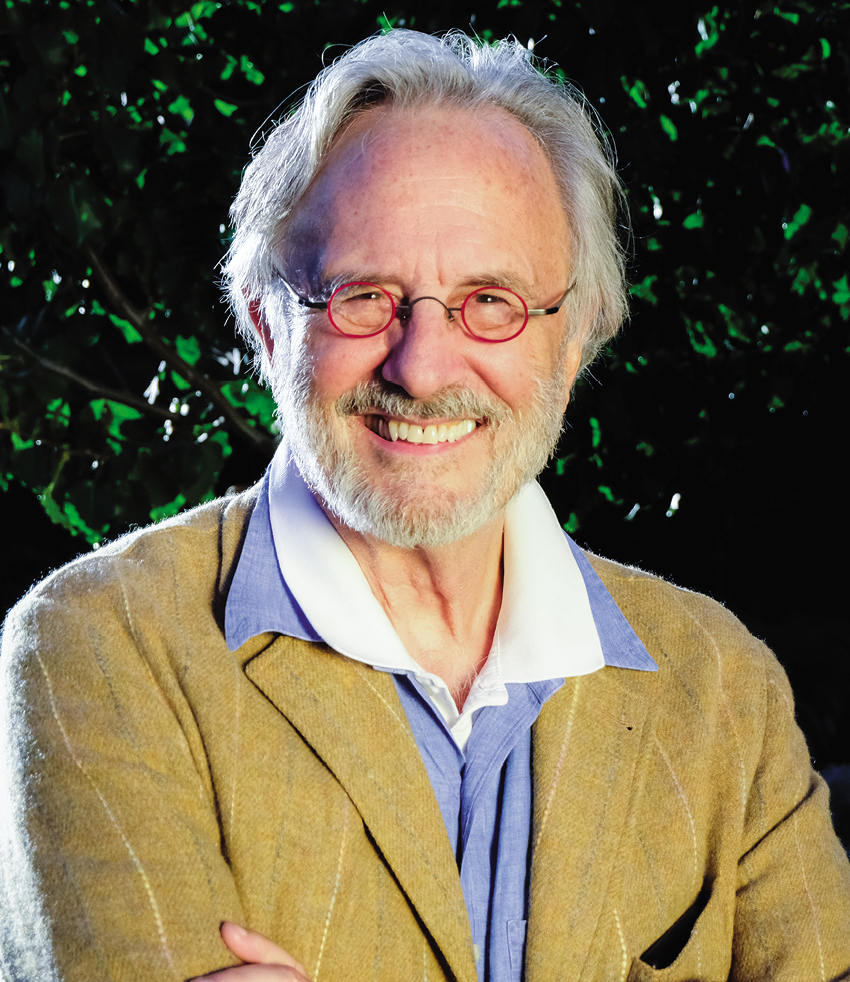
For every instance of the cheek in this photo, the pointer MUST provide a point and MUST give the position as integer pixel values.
(339, 364)
(515, 375)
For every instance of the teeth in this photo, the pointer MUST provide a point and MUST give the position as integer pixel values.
(442, 433)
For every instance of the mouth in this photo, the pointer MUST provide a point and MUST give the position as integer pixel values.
(395, 430)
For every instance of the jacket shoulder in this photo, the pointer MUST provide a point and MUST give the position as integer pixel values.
(682, 627)
(183, 562)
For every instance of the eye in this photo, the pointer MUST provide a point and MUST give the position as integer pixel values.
(487, 297)
(363, 294)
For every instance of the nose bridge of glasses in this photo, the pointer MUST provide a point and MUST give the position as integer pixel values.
(404, 311)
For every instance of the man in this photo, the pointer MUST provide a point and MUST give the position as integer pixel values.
(378, 717)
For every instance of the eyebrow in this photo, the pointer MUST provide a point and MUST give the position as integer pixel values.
(505, 279)
(325, 286)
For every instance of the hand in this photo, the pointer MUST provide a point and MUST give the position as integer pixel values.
(266, 961)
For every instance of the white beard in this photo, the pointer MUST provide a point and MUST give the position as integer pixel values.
(398, 512)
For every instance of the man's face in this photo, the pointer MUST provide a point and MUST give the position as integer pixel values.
(435, 203)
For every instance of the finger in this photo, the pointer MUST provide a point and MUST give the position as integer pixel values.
(254, 973)
(253, 947)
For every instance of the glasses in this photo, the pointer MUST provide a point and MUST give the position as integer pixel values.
(490, 313)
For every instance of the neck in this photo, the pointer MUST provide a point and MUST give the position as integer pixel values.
(443, 602)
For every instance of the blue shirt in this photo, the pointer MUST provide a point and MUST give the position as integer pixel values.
(484, 790)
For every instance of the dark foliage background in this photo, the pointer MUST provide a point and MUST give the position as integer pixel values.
(707, 443)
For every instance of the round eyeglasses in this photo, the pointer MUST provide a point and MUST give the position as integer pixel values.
(490, 313)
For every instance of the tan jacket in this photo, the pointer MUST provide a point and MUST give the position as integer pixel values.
(165, 784)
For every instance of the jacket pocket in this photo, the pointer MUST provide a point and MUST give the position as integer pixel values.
(667, 949)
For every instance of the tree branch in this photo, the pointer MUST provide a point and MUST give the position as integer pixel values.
(121, 302)
(115, 395)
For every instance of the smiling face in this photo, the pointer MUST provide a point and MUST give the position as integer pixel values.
(422, 434)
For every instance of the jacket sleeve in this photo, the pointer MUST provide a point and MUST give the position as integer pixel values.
(730, 847)
(793, 899)
(111, 859)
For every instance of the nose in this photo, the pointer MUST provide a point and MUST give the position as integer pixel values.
(425, 354)
(404, 310)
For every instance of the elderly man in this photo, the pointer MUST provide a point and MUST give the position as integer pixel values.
(378, 716)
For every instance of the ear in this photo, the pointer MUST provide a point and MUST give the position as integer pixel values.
(261, 326)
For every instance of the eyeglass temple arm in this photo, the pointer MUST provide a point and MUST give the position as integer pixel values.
(552, 310)
(303, 301)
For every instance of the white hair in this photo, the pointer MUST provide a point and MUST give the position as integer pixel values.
(407, 70)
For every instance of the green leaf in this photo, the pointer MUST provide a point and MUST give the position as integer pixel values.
(205, 8)
(131, 335)
(120, 414)
(643, 290)
(694, 220)
(709, 31)
(188, 348)
(182, 107)
(254, 75)
(225, 108)
(228, 68)
(669, 127)
(801, 216)
(842, 290)
(596, 432)
(638, 92)
(787, 15)
(165, 511)
(700, 341)
(171, 141)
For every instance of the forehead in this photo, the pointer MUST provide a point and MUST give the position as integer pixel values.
(441, 183)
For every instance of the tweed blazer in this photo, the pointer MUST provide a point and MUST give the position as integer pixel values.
(156, 783)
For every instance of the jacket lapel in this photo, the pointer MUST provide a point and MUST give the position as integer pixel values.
(352, 718)
(585, 743)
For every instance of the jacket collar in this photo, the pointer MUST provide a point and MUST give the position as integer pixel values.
(585, 750)
(353, 720)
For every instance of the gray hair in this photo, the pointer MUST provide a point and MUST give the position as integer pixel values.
(406, 70)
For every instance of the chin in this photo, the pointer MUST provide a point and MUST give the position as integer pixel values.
(405, 524)
(406, 511)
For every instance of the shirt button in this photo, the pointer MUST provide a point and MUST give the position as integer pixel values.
(477, 952)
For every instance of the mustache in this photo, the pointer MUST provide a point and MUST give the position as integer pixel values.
(454, 402)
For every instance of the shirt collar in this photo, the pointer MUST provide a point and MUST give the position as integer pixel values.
(297, 577)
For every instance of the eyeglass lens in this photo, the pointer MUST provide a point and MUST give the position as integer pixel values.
(489, 313)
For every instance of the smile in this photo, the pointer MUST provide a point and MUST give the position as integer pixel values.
(395, 430)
